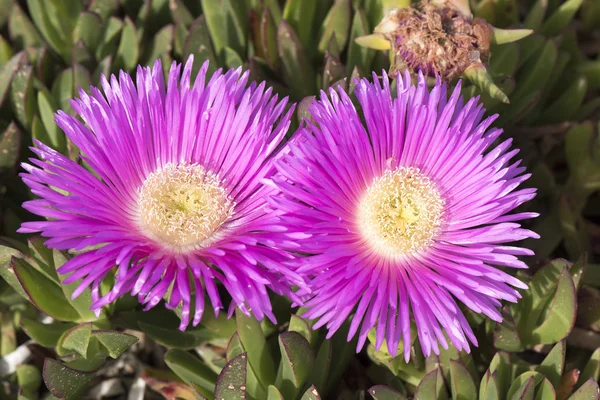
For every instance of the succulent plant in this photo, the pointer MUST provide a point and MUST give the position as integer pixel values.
(545, 86)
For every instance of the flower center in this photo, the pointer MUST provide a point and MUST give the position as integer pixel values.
(181, 206)
(401, 212)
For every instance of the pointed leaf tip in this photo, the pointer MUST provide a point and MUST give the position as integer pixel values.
(373, 42)
(502, 36)
(480, 77)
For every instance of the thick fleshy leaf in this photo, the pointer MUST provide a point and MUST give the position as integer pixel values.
(298, 324)
(23, 96)
(320, 372)
(115, 342)
(381, 392)
(591, 369)
(298, 72)
(47, 108)
(561, 314)
(43, 293)
(227, 23)
(432, 387)
(488, 390)
(10, 144)
(231, 383)
(46, 335)
(461, 382)
(110, 38)
(29, 379)
(162, 43)
(81, 303)
(311, 394)
(561, 17)
(273, 393)
(359, 56)
(78, 339)
(199, 44)
(268, 38)
(480, 77)
(8, 72)
(588, 391)
(565, 107)
(553, 364)
(21, 29)
(503, 36)
(191, 369)
(253, 340)
(336, 24)
(536, 72)
(88, 29)
(297, 361)
(128, 51)
(373, 41)
(64, 382)
(299, 15)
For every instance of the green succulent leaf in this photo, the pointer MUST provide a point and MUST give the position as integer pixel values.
(128, 51)
(198, 43)
(8, 72)
(81, 303)
(78, 339)
(21, 30)
(47, 108)
(561, 17)
(259, 355)
(298, 73)
(274, 394)
(381, 392)
(297, 361)
(588, 391)
(432, 386)
(29, 378)
(311, 394)
(231, 382)
(191, 369)
(461, 382)
(358, 56)
(488, 390)
(299, 15)
(161, 44)
(336, 25)
(116, 343)
(10, 144)
(46, 335)
(22, 96)
(320, 372)
(88, 30)
(553, 364)
(591, 369)
(503, 36)
(64, 382)
(43, 293)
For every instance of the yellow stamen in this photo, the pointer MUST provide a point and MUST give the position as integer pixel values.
(182, 206)
(401, 212)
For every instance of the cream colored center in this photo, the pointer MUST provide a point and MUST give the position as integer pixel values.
(182, 206)
(401, 212)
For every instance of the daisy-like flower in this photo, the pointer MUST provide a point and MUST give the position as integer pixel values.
(176, 198)
(404, 214)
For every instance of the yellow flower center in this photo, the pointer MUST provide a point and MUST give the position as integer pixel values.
(182, 206)
(401, 212)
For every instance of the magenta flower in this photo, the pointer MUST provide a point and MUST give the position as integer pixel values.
(177, 194)
(405, 214)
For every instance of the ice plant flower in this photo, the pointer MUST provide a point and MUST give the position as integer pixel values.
(404, 215)
(176, 198)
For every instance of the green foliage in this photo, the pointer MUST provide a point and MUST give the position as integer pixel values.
(543, 84)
